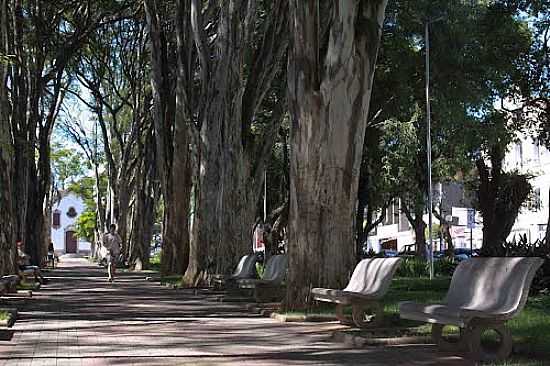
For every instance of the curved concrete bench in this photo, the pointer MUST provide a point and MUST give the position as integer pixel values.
(10, 282)
(246, 269)
(369, 283)
(272, 279)
(484, 294)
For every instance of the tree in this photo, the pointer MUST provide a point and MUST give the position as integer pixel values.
(488, 42)
(120, 102)
(237, 73)
(43, 39)
(67, 165)
(330, 75)
(7, 227)
(500, 194)
(171, 125)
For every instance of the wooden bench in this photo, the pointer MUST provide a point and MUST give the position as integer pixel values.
(271, 285)
(369, 283)
(484, 294)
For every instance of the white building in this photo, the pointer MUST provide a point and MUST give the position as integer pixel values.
(527, 156)
(65, 213)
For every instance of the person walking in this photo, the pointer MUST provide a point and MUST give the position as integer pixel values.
(112, 242)
(51, 254)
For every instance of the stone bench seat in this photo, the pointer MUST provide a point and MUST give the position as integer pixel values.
(340, 296)
(11, 282)
(272, 279)
(369, 283)
(484, 294)
(246, 269)
(8, 284)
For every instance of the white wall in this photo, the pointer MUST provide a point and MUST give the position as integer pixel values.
(67, 223)
(530, 158)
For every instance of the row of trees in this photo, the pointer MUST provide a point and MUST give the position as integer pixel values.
(194, 101)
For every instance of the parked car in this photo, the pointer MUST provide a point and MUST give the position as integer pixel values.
(388, 253)
(461, 254)
(408, 250)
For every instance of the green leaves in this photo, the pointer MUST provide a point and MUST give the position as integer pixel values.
(6, 59)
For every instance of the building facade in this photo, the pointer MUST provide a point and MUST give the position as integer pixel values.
(65, 213)
(526, 156)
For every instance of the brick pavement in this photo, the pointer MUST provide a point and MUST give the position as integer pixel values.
(81, 319)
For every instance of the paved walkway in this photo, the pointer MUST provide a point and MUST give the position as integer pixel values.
(81, 319)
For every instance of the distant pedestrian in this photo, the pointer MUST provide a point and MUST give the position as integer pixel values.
(112, 242)
(51, 254)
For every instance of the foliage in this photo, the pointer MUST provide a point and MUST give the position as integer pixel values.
(415, 267)
(154, 261)
(86, 225)
(67, 165)
(520, 246)
(490, 43)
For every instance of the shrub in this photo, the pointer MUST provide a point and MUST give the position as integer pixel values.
(522, 247)
(419, 267)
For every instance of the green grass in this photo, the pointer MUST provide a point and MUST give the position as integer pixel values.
(25, 286)
(154, 262)
(530, 329)
(4, 315)
(174, 280)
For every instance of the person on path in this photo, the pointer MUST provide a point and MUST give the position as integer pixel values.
(112, 242)
(51, 254)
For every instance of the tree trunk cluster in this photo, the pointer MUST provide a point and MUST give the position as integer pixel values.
(500, 196)
(330, 79)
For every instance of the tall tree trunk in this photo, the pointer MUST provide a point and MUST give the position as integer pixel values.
(329, 98)
(7, 224)
(416, 220)
(172, 143)
(144, 210)
(232, 159)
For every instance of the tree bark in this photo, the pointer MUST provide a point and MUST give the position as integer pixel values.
(172, 142)
(329, 99)
(417, 222)
(232, 159)
(500, 196)
(7, 226)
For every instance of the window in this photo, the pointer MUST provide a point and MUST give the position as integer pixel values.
(536, 152)
(535, 203)
(71, 213)
(519, 154)
(392, 214)
(56, 219)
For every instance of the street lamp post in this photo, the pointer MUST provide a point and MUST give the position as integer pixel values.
(429, 149)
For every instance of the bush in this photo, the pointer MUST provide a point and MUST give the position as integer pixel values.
(445, 267)
(521, 247)
(419, 267)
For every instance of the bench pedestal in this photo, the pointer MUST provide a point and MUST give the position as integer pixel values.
(364, 314)
(470, 341)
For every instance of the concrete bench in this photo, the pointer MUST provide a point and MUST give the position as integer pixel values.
(10, 283)
(246, 269)
(369, 283)
(272, 280)
(484, 294)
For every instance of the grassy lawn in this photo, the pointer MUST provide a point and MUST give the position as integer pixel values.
(25, 285)
(530, 330)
